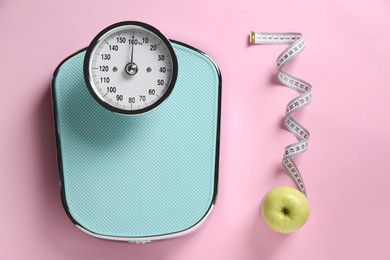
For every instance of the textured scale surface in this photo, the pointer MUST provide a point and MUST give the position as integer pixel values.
(146, 175)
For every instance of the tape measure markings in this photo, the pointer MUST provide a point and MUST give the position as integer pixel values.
(297, 45)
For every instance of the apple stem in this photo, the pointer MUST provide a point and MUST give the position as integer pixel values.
(286, 211)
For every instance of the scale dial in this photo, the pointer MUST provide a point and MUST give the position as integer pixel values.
(130, 68)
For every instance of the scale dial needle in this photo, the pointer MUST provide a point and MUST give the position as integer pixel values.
(132, 49)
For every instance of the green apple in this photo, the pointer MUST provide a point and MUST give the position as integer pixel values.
(285, 209)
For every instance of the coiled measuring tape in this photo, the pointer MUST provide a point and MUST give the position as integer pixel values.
(297, 44)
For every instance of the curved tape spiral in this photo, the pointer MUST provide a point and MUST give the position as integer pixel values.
(297, 44)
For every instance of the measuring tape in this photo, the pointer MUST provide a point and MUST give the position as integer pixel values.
(297, 44)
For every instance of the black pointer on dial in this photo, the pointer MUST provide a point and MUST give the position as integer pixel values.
(131, 68)
(132, 49)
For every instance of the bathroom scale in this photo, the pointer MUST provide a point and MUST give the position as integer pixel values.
(137, 120)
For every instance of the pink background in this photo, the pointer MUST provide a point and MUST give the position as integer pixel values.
(346, 169)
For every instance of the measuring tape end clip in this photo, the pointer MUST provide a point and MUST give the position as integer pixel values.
(252, 37)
